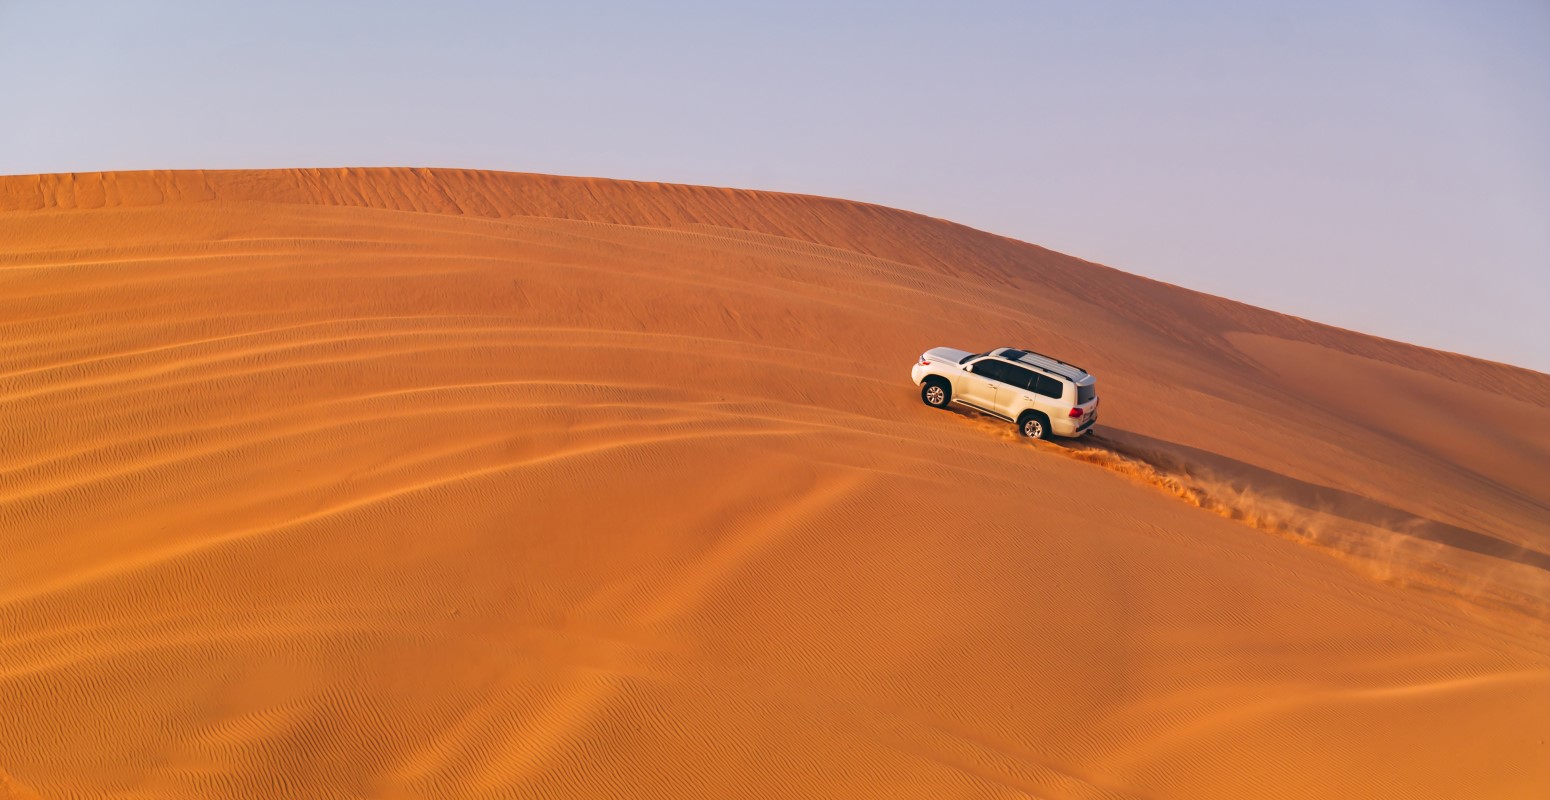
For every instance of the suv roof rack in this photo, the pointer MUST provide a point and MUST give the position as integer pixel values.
(1055, 365)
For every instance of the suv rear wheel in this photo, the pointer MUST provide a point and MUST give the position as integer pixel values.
(935, 392)
(1033, 425)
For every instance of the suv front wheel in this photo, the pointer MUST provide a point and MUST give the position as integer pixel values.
(936, 393)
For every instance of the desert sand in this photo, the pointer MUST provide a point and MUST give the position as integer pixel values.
(400, 483)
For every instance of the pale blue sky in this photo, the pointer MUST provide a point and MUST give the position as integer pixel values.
(1377, 165)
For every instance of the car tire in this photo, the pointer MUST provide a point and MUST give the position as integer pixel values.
(936, 392)
(1033, 425)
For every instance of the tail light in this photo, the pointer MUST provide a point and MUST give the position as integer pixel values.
(924, 362)
(1075, 412)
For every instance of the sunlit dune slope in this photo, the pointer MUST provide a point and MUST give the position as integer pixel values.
(423, 483)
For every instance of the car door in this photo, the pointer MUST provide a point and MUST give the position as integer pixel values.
(1014, 394)
(981, 384)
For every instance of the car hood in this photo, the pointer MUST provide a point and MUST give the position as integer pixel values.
(947, 354)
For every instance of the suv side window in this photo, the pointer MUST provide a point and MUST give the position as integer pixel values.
(1017, 376)
(990, 369)
(1049, 387)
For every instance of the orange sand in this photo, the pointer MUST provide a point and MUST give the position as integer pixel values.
(412, 483)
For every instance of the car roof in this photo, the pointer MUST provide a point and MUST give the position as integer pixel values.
(1070, 372)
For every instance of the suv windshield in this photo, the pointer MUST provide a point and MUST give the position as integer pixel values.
(1086, 393)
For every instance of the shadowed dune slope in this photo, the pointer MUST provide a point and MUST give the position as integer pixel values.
(402, 483)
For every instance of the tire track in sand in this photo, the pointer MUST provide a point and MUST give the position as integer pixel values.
(563, 717)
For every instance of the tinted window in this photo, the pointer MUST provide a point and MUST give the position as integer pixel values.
(990, 368)
(1017, 376)
(1086, 393)
(1049, 387)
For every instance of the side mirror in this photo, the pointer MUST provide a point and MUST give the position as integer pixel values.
(969, 368)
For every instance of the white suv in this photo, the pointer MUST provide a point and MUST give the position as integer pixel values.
(1042, 395)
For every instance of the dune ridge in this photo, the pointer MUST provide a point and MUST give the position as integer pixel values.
(409, 483)
(887, 233)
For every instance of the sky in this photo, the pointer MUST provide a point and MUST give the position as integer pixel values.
(1378, 165)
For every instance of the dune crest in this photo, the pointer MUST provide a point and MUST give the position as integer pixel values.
(412, 483)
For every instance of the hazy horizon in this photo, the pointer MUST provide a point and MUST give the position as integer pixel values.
(1376, 166)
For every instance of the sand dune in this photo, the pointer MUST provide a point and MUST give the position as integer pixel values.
(422, 483)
